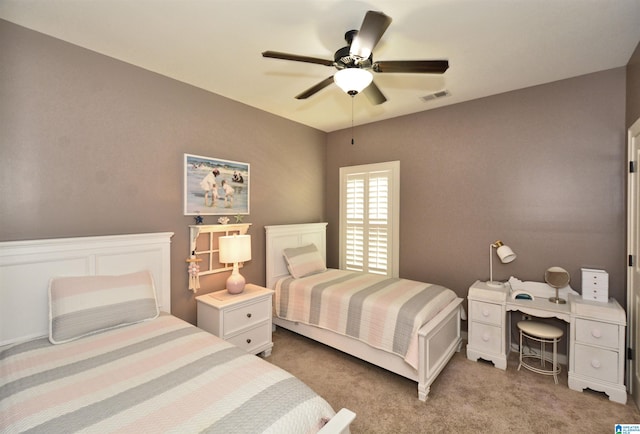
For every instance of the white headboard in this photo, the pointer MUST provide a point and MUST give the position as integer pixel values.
(27, 266)
(284, 236)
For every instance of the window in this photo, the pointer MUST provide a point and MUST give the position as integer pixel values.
(369, 223)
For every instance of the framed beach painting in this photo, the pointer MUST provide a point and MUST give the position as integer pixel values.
(215, 187)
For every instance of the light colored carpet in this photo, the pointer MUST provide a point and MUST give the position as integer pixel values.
(467, 397)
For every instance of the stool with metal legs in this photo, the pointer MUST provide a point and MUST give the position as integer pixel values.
(544, 334)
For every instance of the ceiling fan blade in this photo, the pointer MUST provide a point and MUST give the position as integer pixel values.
(372, 28)
(412, 66)
(374, 95)
(296, 58)
(314, 89)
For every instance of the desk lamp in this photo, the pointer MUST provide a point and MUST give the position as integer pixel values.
(505, 254)
(235, 249)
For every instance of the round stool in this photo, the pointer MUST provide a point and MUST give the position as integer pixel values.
(545, 334)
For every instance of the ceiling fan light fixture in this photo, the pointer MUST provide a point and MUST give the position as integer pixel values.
(355, 65)
(353, 80)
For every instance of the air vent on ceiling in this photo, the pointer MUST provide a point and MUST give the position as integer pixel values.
(436, 95)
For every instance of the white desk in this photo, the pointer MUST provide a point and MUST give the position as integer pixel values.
(596, 335)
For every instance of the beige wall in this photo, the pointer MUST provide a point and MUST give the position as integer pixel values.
(93, 146)
(633, 87)
(541, 168)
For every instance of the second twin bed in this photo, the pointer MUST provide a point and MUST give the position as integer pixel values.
(407, 327)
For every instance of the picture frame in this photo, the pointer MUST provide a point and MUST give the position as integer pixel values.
(213, 186)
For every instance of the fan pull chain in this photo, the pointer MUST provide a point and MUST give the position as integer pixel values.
(352, 142)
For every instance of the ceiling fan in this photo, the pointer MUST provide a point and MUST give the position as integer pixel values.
(355, 61)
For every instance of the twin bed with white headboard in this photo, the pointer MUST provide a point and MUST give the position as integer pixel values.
(27, 266)
(360, 314)
(87, 343)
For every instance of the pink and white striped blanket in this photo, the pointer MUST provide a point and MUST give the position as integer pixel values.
(383, 312)
(163, 375)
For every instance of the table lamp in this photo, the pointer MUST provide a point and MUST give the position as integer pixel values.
(505, 254)
(235, 249)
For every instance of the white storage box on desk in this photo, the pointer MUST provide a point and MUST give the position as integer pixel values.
(595, 285)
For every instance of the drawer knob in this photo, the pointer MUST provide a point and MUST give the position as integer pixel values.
(596, 333)
(485, 312)
(595, 363)
(486, 337)
(249, 315)
(248, 341)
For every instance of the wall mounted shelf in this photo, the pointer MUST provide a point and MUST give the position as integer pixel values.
(203, 244)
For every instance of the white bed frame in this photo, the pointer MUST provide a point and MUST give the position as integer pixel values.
(438, 340)
(27, 266)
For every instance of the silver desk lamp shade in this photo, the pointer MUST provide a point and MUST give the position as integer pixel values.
(557, 278)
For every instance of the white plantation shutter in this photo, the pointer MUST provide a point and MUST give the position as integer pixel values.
(355, 213)
(369, 202)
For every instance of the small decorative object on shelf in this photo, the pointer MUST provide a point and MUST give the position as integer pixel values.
(239, 218)
(223, 220)
(198, 219)
(194, 271)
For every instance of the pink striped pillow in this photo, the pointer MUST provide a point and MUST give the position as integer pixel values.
(83, 305)
(304, 261)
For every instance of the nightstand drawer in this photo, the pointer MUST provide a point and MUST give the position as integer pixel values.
(253, 338)
(597, 333)
(597, 363)
(486, 337)
(246, 316)
(486, 312)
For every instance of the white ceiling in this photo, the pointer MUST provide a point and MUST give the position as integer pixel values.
(493, 46)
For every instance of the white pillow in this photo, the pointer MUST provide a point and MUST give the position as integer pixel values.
(304, 261)
(83, 305)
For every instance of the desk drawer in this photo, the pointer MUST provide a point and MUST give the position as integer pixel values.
(597, 333)
(486, 312)
(486, 338)
(597, 363)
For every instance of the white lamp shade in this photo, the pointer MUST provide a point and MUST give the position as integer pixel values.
(234, 249)
(505, 254)
(353, 80)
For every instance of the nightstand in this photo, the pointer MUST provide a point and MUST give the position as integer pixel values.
(243, 319)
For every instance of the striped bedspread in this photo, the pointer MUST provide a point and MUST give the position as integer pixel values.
(384, 312)
(163, 375)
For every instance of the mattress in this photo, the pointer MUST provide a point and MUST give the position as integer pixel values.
(163, 375)
(386, 313)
